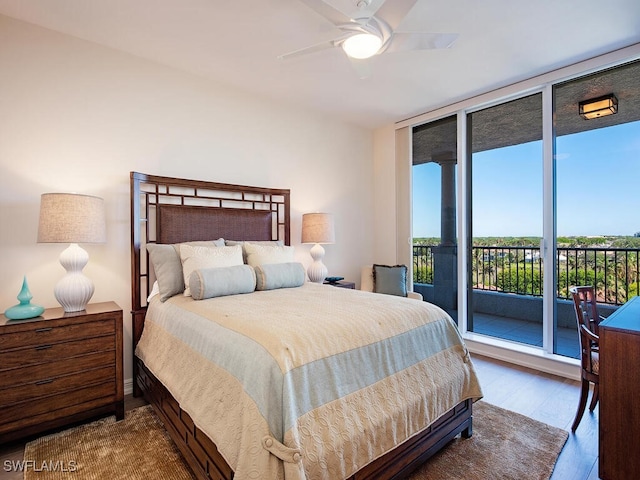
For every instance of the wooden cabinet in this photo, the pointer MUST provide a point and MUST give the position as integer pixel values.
(60, 368)
(619, 393)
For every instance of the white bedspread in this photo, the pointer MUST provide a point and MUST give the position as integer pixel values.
(310, 382)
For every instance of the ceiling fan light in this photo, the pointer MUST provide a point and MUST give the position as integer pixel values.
(362, 45)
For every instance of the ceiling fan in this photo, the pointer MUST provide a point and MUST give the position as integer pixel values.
(369, 28)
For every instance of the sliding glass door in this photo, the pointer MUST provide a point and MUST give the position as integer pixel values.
(505, 211)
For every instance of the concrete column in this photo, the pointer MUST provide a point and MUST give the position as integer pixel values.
(445, 256)
(448, 200)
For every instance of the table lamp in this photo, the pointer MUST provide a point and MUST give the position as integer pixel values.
(317, 228)
(72, 218)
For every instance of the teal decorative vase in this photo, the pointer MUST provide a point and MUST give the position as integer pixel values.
(24, 309)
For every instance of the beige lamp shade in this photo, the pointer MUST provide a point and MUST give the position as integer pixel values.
(71, 218)
(318, 228)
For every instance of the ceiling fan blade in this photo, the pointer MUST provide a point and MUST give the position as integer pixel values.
(394, 11)
(362, 67)
(332, 14)
(316, 47)
(405, 41)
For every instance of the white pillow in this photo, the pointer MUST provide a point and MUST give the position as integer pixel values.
(264, 254)
(255, 242)
(198, 257)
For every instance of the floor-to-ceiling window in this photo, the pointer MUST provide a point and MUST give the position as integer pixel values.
(434, 212)
(530, 162)
(597, 169)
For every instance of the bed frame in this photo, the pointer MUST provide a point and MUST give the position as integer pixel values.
(173, 210)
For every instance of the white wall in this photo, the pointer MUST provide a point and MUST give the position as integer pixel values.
(78, 117)
(384, 167)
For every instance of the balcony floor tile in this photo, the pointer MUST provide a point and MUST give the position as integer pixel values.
(529, 333)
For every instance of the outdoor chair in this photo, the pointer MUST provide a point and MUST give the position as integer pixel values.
(584, 303)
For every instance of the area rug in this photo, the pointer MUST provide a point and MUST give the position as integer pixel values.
(135, 448)
(504, 445)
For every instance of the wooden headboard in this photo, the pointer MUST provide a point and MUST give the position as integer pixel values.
(174, 210)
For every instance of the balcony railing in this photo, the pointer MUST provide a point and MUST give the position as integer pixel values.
(613, 271)
(423, 264)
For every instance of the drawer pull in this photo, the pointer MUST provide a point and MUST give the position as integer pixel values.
(44, 329)
(43, 347)
(44, 382)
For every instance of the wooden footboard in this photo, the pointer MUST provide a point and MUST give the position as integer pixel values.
(206, 462)
(408, 456)
(197, 449)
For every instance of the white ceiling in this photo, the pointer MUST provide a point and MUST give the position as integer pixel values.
(237, 43)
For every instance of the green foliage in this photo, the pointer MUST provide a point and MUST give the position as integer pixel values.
(426, 241)
(422, 264)
(584, 242)
(506, 241)
(521, 278)
(577, 277)
(423, 274)
(626, 242)
(603, 241)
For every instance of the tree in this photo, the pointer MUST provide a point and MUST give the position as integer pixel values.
(520, 278)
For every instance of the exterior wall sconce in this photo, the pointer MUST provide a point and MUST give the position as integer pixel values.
(598, 107)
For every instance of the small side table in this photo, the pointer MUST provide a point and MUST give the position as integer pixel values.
(342, 284)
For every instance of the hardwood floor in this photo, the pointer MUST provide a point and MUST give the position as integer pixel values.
(549, 399)
(541, 396)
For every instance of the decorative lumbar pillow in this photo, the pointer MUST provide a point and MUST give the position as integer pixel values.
(265, 254)
(167, 265)
(390, 279)
(221, 281)
(270, 276)
(196, 257)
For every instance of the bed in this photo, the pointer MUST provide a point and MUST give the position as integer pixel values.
(311, 381)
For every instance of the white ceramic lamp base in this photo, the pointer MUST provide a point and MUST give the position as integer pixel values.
(317, 271)
(74, 290)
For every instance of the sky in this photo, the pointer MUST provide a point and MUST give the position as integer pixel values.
(597, 178)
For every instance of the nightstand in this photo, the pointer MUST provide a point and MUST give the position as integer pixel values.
(60, 368)
(342, 284)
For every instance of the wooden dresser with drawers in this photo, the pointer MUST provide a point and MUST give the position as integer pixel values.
(60, 368)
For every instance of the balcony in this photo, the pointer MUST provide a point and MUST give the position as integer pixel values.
(507, 288)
